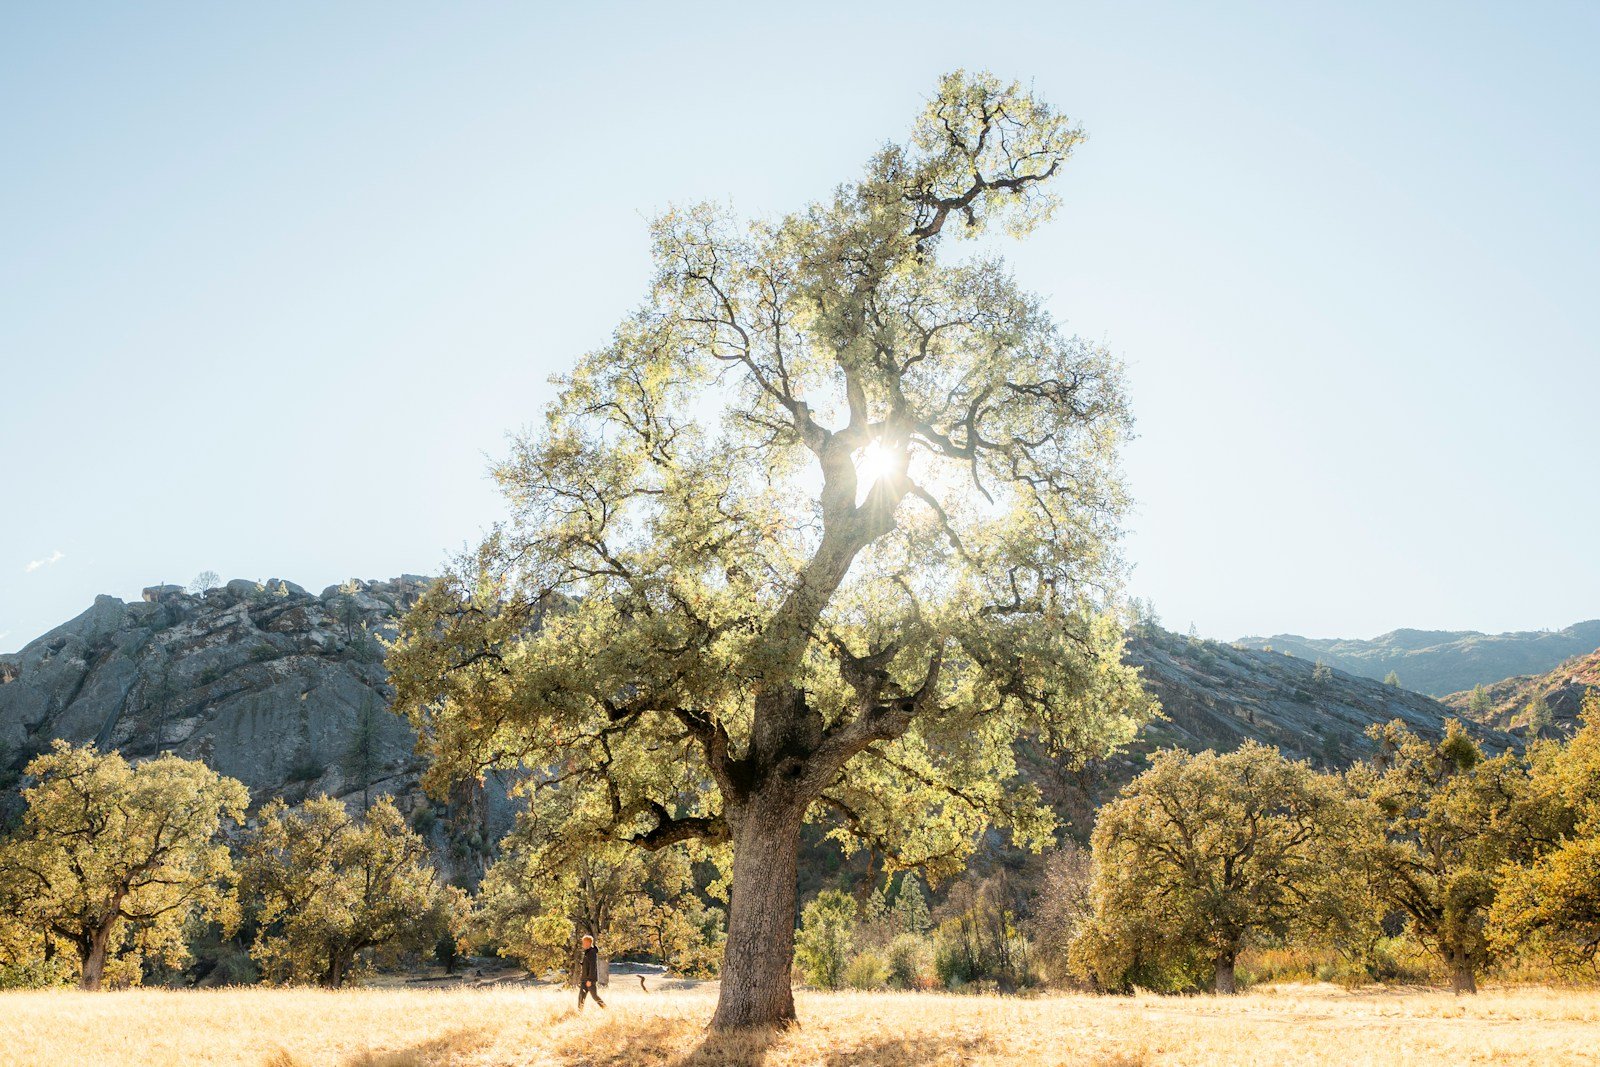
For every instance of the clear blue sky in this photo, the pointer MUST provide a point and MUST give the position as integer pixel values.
(275, 279)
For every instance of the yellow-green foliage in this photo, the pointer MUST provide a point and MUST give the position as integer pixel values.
(867, 969)
(1444, 822)
(827, 936)
(110, 862)
(324, 888)
(1552, 903)
(1200, 854)
(826, 526)
(555, 882)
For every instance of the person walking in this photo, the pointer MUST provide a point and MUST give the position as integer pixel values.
(588, 973)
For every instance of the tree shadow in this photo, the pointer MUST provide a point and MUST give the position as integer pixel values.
(906, 1049)
(659, 1042)
(669, 1043)
(737, 1048)
(451, 1047)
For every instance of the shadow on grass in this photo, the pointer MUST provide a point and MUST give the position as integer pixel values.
(912, 1050)
(678, 1043)
(668, 1043)
(453, 1047)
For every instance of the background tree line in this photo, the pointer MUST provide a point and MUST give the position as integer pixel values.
(1430, 860)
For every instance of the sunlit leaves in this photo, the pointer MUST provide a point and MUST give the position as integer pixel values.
(112, 860)
(696, 585)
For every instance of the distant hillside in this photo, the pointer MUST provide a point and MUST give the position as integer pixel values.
(279, 687)
(1563, 690)
(1438, 662)
(1218, 696)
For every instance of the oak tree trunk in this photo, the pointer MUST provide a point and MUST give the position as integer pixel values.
(758, 956)
(92, 958)
(1225, 982)
(1462, 978)
(339, 961)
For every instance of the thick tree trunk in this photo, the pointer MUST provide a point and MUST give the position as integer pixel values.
(1462, 978)
(338, 968)
(92, 959)
(1225, 982)
(759, 953)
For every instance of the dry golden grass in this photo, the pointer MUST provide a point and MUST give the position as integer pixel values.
(538, 1026)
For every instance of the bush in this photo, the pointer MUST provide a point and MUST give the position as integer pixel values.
(910, 962)
(952, 964)
(980, 937)
(827, 934)
(867, 971)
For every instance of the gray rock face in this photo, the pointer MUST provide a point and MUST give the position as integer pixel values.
(1218, 696)
(266, 683)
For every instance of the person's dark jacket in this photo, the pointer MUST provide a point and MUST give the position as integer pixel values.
(589, 971)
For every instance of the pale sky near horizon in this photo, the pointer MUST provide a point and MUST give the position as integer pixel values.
(276, 280)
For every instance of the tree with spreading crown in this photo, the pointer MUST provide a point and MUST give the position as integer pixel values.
(826, 527)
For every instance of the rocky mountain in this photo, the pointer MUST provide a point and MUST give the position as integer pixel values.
(1218, 696)
(1508, 701)
(272, 685)
(286, 691)
(1438, 662)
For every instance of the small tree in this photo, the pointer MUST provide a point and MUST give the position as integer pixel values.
(1321, 675)
(980, 933)
(1536, 716)
(324, 888)
(112, 861)
(361, 756)
(826, 938)
(203, 581)
(1478, 705)
(910, 912)
(1392, 678)
(1064, 906)
(1201, 853)
(1447, 819)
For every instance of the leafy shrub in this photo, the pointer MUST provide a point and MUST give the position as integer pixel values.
(827, 934)
(866, 971)
(910, 962)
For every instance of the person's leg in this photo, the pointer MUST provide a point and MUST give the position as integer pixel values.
(595, 993)
(583, 991)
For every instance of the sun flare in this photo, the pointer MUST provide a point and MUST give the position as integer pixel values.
(872, 464)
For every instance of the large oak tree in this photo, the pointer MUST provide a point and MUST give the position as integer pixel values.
(825, 528)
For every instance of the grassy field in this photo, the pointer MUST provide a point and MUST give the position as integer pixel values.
(538, 1026)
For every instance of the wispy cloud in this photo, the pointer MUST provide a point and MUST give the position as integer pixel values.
(49, 561)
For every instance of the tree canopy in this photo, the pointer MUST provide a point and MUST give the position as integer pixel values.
(825, 527)
(1552, 902)
(112, 860)
(1201, 853)
(323, 888)
(1447, 819)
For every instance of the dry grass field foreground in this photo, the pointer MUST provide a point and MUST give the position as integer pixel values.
(538, 1026)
